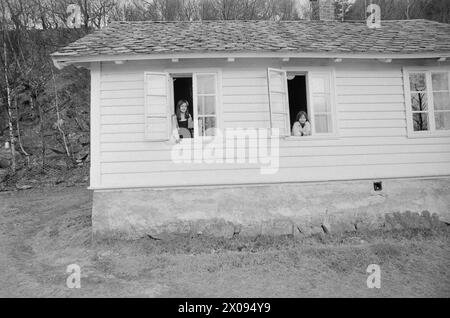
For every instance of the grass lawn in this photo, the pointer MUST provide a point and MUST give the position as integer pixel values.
(43, 231)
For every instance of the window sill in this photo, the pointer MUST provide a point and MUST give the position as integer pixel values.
(429, 134)
(306, 138)
(197, 139)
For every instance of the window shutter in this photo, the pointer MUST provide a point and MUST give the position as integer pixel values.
(321, 115)
(278, 101)
(157, 117)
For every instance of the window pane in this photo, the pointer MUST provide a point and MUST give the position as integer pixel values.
(319, 85)
(206, 105)
(441, 101)
(417, 82)
(442, 120)
(323, 124)
(321, 104)
(276, 81)
(420, 121)
(419, 101)
(207, 126)
(206, 84)
(440, 81)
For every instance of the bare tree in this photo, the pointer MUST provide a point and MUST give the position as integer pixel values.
(8, 103)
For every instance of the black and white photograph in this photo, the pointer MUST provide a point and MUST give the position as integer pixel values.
(224, 155)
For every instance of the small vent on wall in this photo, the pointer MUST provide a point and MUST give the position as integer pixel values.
(378, 186)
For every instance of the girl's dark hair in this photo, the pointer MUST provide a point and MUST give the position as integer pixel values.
(178, 112)
(300, 114)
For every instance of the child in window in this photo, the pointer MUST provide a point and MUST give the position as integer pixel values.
(184, 119)
(302, 126)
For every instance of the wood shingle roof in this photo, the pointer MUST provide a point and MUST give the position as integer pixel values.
(333, 37)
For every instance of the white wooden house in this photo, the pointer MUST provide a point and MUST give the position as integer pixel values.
(378, 101)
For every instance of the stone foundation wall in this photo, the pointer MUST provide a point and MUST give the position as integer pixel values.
(296, 209)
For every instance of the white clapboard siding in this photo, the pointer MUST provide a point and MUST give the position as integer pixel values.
(370, 107)
(122, 119)
(369, 81)
(230, 177)
(348, 90)
(244, 73)
(363, 143)
(364, 115)
(121, 136)
(362, 75)
(122, 86)
(244, 82)
(125, 128)
(372, 132)
(248, 124)
(165, 154)
(365, 123)
(244, 91)
(319, 161)
(245, 99)
(121, 77)
(372, 140)
(123, 110)
(122, 94)
(246, 108)
(111, 102)
(246, 116)
(359, 98)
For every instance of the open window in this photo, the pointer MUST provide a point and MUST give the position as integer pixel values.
(164, 91)
(183, 108)
(310, 104)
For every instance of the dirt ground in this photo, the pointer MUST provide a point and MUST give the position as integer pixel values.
(43, 231)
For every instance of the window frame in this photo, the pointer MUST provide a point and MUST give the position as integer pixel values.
(329, 71)
(195, 96)
(431, 132)
(191, 72)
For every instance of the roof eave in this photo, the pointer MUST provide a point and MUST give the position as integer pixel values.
(60, 61)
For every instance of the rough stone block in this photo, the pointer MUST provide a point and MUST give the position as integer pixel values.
(278, 227)
(392, 221)
(302, 230)
(250, 230)
(436, 222)
(426, 219)
(219, 229)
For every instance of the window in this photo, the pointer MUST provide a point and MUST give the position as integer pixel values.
(428, 99)
(183, 105)
(320, 110)
(308, 92)
(200, 90)
(205, 99)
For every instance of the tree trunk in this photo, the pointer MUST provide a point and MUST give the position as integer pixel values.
(41, 130)
(58, 116)
(9, 107)
(19, 139)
